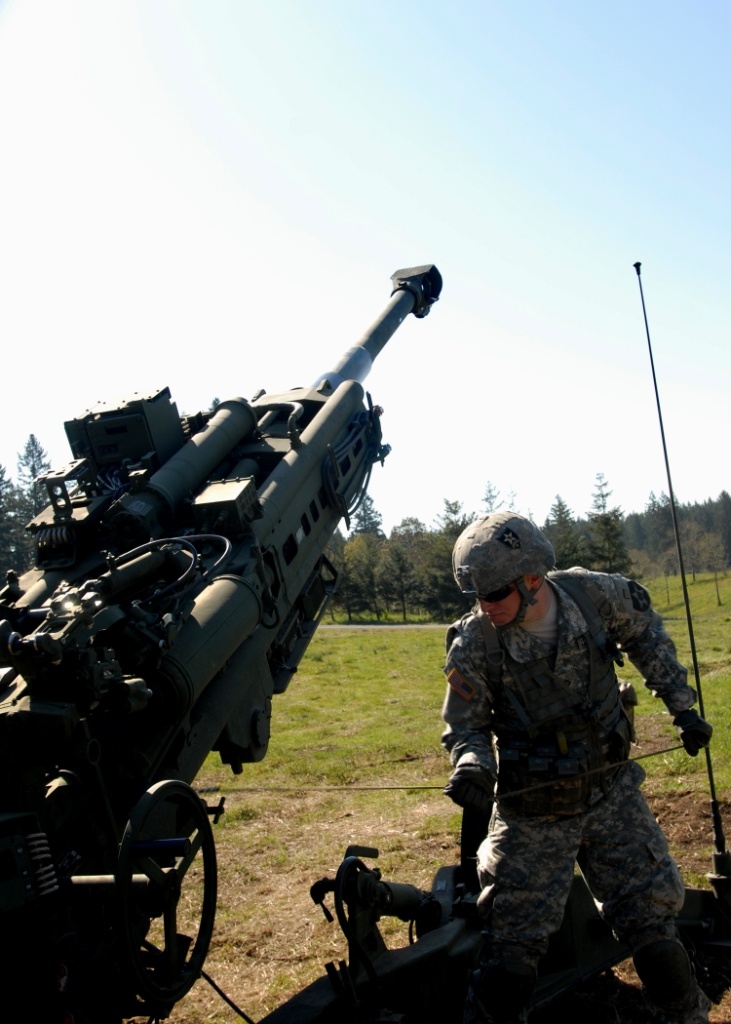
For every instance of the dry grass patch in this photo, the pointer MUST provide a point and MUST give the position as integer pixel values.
(270, 939)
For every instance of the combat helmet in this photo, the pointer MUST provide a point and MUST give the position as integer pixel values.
(497, 550)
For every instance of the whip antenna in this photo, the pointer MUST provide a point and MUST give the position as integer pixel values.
(721, 859)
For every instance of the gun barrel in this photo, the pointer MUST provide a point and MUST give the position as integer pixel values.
(178, 585)
(415, 289)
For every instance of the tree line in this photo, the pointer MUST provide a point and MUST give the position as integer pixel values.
(20, 502)
(407, 575)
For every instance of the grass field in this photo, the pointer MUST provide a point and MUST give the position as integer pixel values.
(355, 757)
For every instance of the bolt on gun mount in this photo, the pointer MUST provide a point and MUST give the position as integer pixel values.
(180, 575)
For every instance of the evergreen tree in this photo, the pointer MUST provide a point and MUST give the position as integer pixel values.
(657, 525)
(562, 531)
(413, 543)
(607, 549)
(491, 500)
(366, 519)
(453, 520)
(440, 596)
(33, 462)
(7, 545)
(15, 545)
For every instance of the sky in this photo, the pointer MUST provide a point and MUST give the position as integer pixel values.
(212, 197)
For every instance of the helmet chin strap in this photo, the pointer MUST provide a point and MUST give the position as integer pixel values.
(527, 598)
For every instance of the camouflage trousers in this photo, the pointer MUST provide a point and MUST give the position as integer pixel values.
(526, 866)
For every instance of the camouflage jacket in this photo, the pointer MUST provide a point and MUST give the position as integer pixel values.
(474, 709)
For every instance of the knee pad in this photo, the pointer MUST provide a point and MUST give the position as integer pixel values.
(665, 970)
(503, 990)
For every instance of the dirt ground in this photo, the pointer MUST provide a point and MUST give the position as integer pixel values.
(270, 941)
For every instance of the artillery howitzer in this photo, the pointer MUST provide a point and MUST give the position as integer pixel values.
(181, 573)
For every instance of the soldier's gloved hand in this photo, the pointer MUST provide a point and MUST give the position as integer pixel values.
(694, 732)
(471, 785)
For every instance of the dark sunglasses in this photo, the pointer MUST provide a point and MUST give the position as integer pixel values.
(498, 595)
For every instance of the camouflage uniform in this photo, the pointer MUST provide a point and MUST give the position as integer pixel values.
(526, 863)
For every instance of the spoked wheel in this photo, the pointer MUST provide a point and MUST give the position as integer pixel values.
(166, 892)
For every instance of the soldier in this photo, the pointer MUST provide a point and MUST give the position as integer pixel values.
(536, 730)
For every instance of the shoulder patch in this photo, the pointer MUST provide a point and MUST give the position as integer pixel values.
(640, 597)
(460, 685)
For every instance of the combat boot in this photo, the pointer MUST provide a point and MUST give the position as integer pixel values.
(672, 994)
